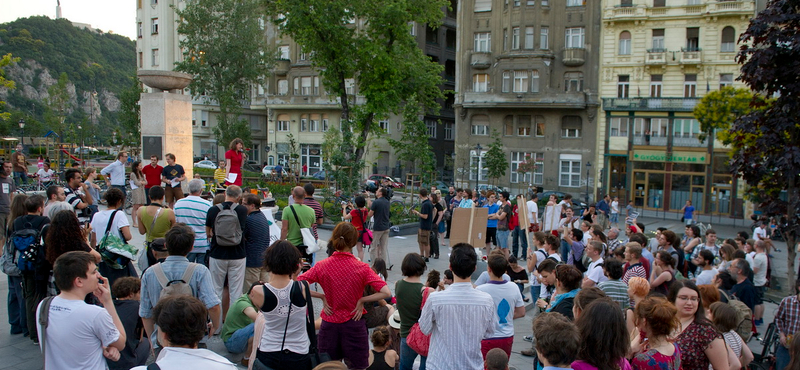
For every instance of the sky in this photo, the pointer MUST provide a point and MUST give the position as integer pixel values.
(118, 16)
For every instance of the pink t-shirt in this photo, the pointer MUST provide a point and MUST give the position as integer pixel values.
(581, 365)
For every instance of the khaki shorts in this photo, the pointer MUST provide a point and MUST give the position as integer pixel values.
(424, 238)
(172, 194)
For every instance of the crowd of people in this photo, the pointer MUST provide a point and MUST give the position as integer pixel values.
(603, 297)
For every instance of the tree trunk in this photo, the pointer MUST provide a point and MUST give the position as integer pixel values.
(793, 195)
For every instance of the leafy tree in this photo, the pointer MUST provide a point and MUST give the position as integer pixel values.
(528, 166)
(766, 142)
(58, 105)
(5, 61)
(369, 42)
(225, 49)
(130, 114)
(413, 145)
(495, 159)
(718, 109)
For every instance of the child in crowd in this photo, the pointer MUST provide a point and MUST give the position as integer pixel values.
(434, 278)
(382, 357)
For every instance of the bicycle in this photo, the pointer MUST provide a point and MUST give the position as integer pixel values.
(766, 359)
(332, 204)
(401, 206)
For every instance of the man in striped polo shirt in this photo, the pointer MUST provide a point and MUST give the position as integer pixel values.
(192, 211)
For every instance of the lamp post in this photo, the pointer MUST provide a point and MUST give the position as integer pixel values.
(588, 169)
(80, 129)
(266, 149)
(453, 155)
(22, 127)
(478, 149)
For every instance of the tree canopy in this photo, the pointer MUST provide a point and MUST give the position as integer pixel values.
(766, 142)
(718, 109)
(495, 160)
(5, 61)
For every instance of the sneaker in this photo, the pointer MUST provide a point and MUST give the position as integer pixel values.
(528, 338)
(528, 352)
(759, 322)
(245, 362)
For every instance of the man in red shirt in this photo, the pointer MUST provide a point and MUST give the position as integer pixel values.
(343, 333)
(152, 173)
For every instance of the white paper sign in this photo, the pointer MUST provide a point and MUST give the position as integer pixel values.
(133, 185)
(231, 177)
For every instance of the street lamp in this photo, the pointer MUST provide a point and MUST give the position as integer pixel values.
(266, 149)
(22, 127)
(478, 149)
(80, 129)
(588, 168)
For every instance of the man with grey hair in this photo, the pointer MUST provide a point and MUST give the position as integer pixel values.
(192, 211)
(613, 239)
(227, 254)
(744, 289)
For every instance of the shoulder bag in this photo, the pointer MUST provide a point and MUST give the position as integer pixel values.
(366, 234)
(419, 342)
(141, 256)
(311, 244)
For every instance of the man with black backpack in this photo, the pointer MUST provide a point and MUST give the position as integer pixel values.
(34, 282)
(175, 275)
(225, 224)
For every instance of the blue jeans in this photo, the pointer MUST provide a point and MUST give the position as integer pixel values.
(502, 239)
(516, 235)
(564, 250)
(237, 343)
(782, 357)
(197, 258)
(614, 218)
(407, 357)
(20, 176)
(16, 306)
(535, 292)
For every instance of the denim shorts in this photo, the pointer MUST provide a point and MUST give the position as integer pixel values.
(502, 239)
(237, 343)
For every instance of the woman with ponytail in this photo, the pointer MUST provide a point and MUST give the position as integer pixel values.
(655, 319)
(343, 277)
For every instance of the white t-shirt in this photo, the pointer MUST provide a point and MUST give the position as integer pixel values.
(533, 212)
(749, 258)
(174, 358)
(76, 335)
(615, 207)
(506, 297)
(484, 278)
(760, 233)
(760, 263)
(100, 222)
(45, 176)
(706, 277)
(595, 272)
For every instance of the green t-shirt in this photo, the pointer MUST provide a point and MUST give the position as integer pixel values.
(236, 319)
(306, 216)
(409, 299)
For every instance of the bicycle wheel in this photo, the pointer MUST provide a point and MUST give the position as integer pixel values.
(331, 208)
(129, 205)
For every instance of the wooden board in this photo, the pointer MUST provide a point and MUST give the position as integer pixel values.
(523, 220)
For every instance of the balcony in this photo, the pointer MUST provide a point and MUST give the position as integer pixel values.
(691, 56)
(731, 7)
(481, 60)
(656, 57)
(574, 57)
(688, 141)
(282, 67)
(654, 140)
(492, 99)
(650, 104)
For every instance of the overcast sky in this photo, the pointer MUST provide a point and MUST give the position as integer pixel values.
(118, 16)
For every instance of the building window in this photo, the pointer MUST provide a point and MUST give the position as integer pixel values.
(623, 86)
(655, 85)
(431, 35)
(535, 81)
(284, 52)
(505, 39)
(194, 118)
(544, 38)
(530, 3)
(690, 86)
(480, 82)
(483, 42)
(141, 60)
(728, 40)
(412, 26)
(658, 40)
(508, 125)
(303, 123)
(303, 56)
(283, 87)
(449, 130)
(154, 26)
(475, 162)
(570, 171)
(659, 3)
(725, 79)
(545, 2)
(139, 30)
(154, 60)
(515, 38)
(573, 81)
(450, 39)
(625, 43)
(575, 37)
(528, 37)
(350, 86)
(480, 130)
(430, 125)
(693, 39)
(313, 123)
(539, 126)
(517, 3)
(619, 126)
(571, 127)
(575, 2)
(517, 158)
(520, 81)
(204, 119)
(384, 125)
(283, 123)
(523, 125)
(483, 6)
(686, 128)
(506, 81)
(325, 123)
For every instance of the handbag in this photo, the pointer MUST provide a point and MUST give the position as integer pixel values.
(115, 252)
(311, 244)
(418, 341)
(366, 234)
(313, 351)
(141, 256)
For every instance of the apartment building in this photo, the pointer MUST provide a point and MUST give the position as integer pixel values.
(658, 58)
(528, 69)
(294, 102)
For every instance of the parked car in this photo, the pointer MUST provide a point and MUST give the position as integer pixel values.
(267, 171)
(545, 196)
(206, 164)
(485, 187)
(378, 178)
(251, 166)
(439, 185)
(320, 175)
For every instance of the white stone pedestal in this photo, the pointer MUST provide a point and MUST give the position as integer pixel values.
(168, 117)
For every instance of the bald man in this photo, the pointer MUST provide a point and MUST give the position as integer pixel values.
(295, 217)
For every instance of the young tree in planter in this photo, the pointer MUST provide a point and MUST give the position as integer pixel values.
(766, 142)
(495, 160)
(528, 166)
(413, 144)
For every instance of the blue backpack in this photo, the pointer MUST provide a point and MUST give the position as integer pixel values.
(28, 247)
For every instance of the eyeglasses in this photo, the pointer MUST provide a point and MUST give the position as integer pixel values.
(686, 298)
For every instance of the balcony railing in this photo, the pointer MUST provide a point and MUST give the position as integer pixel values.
(654, 140)
(650, 104)
(691, 55)
(573, 57)
(481, 60)
(687, 141)
(656, 56)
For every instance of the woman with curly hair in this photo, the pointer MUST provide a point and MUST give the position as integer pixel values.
(234, 158)
(65, 235)
(655, 320)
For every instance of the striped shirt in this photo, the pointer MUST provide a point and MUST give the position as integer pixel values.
(311, 202)
(617, 291)
(219, 176)
(455, 345)
(256, 238)
(192, 211)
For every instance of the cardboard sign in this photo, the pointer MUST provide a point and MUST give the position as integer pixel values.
(552, 216)
(522, 217)
(469, 226)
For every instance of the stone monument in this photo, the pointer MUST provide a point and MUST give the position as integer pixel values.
(167, 118)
